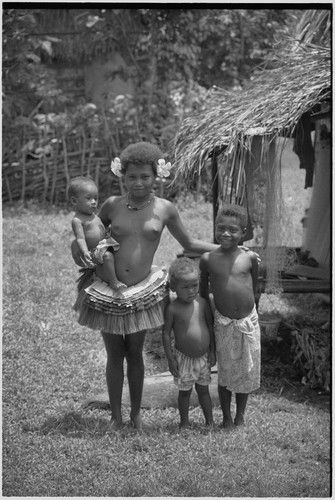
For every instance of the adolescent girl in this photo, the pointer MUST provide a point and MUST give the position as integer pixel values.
(137, 220)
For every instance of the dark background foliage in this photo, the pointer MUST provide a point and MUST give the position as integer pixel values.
(173, 57)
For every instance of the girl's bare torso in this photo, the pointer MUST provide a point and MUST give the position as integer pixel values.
(190, 328)
(138, 232)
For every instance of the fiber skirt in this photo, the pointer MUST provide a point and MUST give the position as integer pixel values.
(138, 307)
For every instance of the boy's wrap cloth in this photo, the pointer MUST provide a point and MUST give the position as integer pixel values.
(238, 350)
(133, 309)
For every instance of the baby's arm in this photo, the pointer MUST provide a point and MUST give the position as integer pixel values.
(167, 332)
(79, 233)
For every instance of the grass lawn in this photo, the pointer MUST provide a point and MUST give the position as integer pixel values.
(54, 447)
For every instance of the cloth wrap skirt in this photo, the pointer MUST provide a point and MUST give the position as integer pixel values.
(238, 352)
(136, 308)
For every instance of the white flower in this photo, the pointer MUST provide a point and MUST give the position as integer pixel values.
(163, 169)
(116, 167)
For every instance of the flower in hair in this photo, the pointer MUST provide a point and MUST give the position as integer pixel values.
(116, 167)
(163, 169)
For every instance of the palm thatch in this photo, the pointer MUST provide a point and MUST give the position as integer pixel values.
(296, 82)
(270, 105)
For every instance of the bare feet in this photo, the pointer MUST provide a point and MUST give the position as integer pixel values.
(239, 420)
(184, 425)
(117, 285)
(210, 424)
(136, 422)
(116, 424)
(228, 424)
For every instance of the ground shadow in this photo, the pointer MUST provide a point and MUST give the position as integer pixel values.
(73, 424)
(280, 375)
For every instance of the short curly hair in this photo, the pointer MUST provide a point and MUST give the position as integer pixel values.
(141, 153)
(76, 183)
(180, 266)
(233, 210)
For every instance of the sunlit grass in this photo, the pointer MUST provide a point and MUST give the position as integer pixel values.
(52, 446)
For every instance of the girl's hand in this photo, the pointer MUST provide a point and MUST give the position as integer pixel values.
(212, 358)
(247, 249)
(173, 367)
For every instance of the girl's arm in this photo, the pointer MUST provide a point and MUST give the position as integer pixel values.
(105, 211)
(77, 227)
(179, 232)
(167, 332)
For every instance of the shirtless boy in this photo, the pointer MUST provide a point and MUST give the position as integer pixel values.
(190, 361)
(232, 276)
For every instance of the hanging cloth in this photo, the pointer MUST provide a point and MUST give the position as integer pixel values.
(303, 147)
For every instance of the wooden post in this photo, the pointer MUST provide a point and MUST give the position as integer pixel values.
(23, 184)
(215, 189)
(54, 175)
(8, 189)
(97, 173)
(66, 162)
(82, 164)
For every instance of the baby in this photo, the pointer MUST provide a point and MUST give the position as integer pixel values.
(190, 361)
(95, 245)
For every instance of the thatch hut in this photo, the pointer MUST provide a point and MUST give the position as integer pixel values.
(240, 132)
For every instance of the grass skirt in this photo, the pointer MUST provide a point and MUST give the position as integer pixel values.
(138, 307)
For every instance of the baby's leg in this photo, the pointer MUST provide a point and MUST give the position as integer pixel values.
(225, 401)
(183, 405)
(205, 402)
(241, 403)
(109, 270)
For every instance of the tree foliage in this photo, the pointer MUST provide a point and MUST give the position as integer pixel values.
(173, 57)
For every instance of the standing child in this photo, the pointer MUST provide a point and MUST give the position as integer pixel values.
(93, 241)
(191, 359)
(233, 274)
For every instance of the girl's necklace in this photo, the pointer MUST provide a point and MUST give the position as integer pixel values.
(132, 207)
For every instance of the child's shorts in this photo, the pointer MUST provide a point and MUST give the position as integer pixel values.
(191, 371)
(106, 244)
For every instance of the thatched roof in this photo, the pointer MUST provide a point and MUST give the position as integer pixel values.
(272, 103)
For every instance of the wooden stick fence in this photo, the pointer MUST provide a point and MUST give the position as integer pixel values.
(46, 178)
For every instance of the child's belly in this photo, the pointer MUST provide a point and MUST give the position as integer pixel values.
(94, 235)
(194, 343)
(234, 300)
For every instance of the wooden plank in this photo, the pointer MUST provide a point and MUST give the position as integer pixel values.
(300, 286)
(318, 273)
